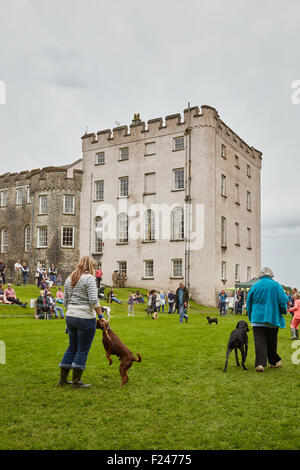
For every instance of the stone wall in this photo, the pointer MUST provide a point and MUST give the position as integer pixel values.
(55, 183)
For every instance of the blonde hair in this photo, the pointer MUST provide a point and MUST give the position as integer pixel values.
(296, 295)
(85, 265)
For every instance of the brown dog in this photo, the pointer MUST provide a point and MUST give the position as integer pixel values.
(113, 345)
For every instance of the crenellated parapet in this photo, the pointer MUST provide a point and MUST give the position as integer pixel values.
(139, 130)
(46, 178)
(171, 124)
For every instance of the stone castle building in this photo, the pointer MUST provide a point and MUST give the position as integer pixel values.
(39, 218)
(173, 200)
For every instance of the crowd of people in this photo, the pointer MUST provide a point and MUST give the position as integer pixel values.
(231, 302)
(265, 304)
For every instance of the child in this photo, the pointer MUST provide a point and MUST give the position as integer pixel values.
(59, 280)
(59, 296)
(296, 317)
(130, 305)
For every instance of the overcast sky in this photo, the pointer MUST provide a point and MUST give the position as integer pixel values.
(69, 65)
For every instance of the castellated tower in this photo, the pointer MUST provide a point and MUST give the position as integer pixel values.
(192, 174)
(39, 218)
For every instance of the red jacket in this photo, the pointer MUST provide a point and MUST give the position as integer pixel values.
(296, 309)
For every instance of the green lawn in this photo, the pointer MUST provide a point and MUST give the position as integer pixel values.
(177, 398)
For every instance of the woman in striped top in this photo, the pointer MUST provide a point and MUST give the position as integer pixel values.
(82, 304)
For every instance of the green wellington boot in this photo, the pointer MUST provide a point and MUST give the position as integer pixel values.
(76, 382)
(294, 334)
(63, 380)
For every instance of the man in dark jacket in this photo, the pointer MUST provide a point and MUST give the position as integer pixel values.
(181, 302)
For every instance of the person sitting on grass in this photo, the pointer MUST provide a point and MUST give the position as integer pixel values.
(52, 304)
(3, 299)
(59, 296)
(113, 298)
(138, 297)
(41, 306)
(11, 296)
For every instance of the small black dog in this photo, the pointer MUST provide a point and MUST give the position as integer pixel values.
(212, 320)
(238, 340)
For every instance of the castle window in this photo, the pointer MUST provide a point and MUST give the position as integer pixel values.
(27, 234)
(149, 148)
(248, 273)
(249, 171)
(237, 233)
(123, 186)
(223, 185)
(69, 204)
(19, 196)
(122, 267)
(98, 227)
(100, 158)
(178, 179)
(223, 151)
(4, 240)
(149, 225)
(223, 232)
(3, 198)
(177, 267)
(237, 161)
(223, 270)
(237, 273)
(237, 193)
(124, 153)
(41, 264)
(123, 228)
(42, 237)
(67, 237)
(248, 201)
(28, 195)
(148, 268)
(99, 190)
(177, 223)
(178, 143)
(249, 238)
(149, 183)
(43, 204)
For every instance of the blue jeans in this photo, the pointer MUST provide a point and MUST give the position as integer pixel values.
(81, 334)
(182, 313)
(61, 311)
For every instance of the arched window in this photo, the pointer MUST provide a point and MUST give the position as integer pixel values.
(27, 236)
(98, 227)
(149, 225)
(177, 223)
(123, 228)
(4, 240)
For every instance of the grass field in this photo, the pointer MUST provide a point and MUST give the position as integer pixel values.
(177, 398)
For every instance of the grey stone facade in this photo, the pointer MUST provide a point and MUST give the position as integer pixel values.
(41, 231)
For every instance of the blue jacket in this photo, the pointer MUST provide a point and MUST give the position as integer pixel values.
(267, 302)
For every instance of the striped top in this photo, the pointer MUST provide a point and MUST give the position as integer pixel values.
(83, 296)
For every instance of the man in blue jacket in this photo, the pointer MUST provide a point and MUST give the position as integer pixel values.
(266, 305)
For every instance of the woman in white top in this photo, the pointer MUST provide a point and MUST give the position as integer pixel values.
(82, 303)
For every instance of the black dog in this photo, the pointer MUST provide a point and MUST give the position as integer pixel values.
(212, 320)
(238, 340)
